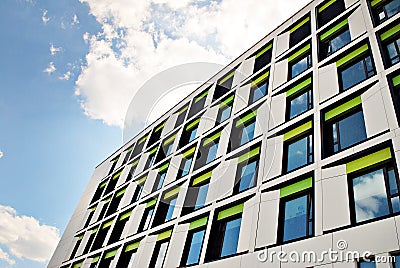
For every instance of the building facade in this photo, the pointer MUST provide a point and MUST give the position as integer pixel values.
(293, 147)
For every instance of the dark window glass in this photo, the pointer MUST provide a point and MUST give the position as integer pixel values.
(262, 60)
(138, 148)
(117, 230)
(375, 194)
(298, 218)
(126, 259)
(396, 263)
(299, 103)
(155, 136)
(345, 131)
(366, 264)
(207, 153)
(112, 208)
(188, 135)
(299, 153)
(160, 251)
(150, 161)
(185, 166)
(165, 211)
(198, 103)
(334, 43)
(329, 12)
(196, 197)
(192, 250)
(138, 191)
(356, 73)
(386, 11)
(299, 66)
(181, 117)
(145, 222)
(230, 237)
(392, 51)
(257, 92)
(159, 181)
(75, 249)
(300, 33)
(223, 86)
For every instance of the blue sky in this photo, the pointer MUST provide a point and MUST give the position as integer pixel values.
(68, 71)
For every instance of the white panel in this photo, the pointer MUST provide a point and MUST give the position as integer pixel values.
(173, 169)
(238, 77)
(109, 232)
(145, 251)
(142, 163)
(71, 244)
(251, 260)
(278, 110)
(97, 212)
(282, 43)
(335, 203)
(127, 198)
(328, 82)
(247, 67)
(262, 120)
(83, 243)
(169, 124)
(87, 213)
(224, 140)
(207, 120)
(213, 188)
(273, 159)
(180, 200)
(333, 172)
(349, 3)
(176, 244)
(123, 176)
(232, 262)
(226, 176)
(87, 263)
(356, 24)
(318, 229)
(132, 225)
(249, 224)
(280, 73)
(148, 185)
(374, 111)
(268, 221)
(241, 98)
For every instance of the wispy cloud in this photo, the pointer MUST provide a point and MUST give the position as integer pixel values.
(50, 68)
(66, 76)
(1, 154)
(54, 50)
(25, 237)
(5, 257)
(75, 20)
(45, 19)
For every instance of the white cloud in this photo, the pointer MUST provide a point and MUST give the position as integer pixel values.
(141, 38)
(1, 154)
(86, 37)
(25, 237)
(65, 76)
(54, 50)
(50, 68)
(75, 20)
(5, 257)
(44, 18)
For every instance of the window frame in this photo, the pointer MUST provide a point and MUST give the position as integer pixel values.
(307, 88)
(188, 244)
(310, 141)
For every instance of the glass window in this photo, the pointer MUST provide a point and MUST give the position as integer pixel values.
(396, 263)
(192, 134)
(248, 175)
(160, 251)
(300, 30)
(335, 43)
(193, 246)
(299, 153)
(212, 152)
(185, 166)
(138, 191)
(150, 161)
(299, 103)
(170, 211)
(329, 10)
(393, 51)
(208, 151)
(386, 11)
(145, 223)
(201, 196)
(230, 237)
(224, 113)
(356, 73)
(257, 92)
(248, 132)
(263, 57)
(298, 218)
(126, 259)
(366, 264)
(299, 66)
(159, 181)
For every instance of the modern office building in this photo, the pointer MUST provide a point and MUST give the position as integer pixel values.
(293, 147)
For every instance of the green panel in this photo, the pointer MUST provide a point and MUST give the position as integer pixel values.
(189, 152)
(129, 149)
(125, 215)
(230, 211)
(115, 159)
(107, 200)
(78, 265)
(95, 230)
(184, 109)
(142, 180)
(135, 163)
(246, 118)
(263, 50)
(352, 55)
(296, 187)
(212, 138)
(163, 167)
(160, 127)
(299, 53)
(120, 193)
(111, 254)
(389, 33)
(107, 224)
(103, 184)
(193, 124)
(198, 223)
(396, 80)
(298, 87)
(297, 131)
(93, 208)
(300, 24)
(202, 178)
(227, 101)
(376, 2)
(326, 5)
(80, 237)
(201, 96)
(153, 151)
(249, 155)
(143, 139)
(223, 80)
(260, 79)
(172, 193)
(170, 140)
(368, 160)
(164, 235)
(333, 30)
(132, 246)
(151, 203)
(117, 175)
(342, 108)
(96, 259)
